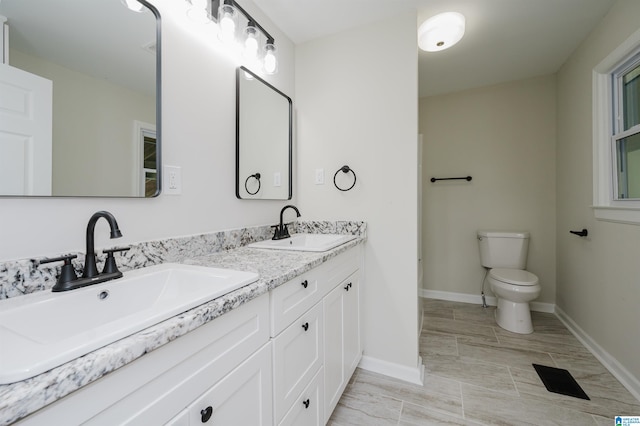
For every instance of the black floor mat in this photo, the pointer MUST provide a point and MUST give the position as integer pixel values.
(559, 381)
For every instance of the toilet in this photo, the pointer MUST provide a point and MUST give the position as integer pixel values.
(504, 254)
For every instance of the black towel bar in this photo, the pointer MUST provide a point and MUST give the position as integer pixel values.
(467, 178)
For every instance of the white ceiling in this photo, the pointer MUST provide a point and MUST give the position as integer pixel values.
(505, 40)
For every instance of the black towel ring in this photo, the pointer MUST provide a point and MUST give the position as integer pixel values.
(256, 177)
(345, 169)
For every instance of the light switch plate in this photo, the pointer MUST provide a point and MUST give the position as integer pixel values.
(172, 180)
(319, 176)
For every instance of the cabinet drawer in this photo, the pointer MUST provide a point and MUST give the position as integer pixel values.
(292, 299)
(338, 269)
(297, 357)
(243, 397)
(308, 409)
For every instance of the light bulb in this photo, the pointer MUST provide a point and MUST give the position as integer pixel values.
(227, 16)
(198, 11)
(251, 43)
(270, 60)
(133, 5)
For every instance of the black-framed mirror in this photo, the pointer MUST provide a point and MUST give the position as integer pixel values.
(264, 139)
(88, 122)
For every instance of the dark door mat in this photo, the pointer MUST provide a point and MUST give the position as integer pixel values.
(560, 381)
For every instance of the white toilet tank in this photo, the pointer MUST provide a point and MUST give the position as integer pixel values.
(503, 249)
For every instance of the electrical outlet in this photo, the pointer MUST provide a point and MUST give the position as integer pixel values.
(277, 181)
(319, 176)
(172, 180)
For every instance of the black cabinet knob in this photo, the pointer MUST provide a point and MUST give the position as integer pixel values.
(304, 283)
(348, 286)
(305, 326)
(306, 403)
(206, 414)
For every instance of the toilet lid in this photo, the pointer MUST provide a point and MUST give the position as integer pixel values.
(514, 276)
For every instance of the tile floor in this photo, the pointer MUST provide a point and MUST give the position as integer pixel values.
(479, 374)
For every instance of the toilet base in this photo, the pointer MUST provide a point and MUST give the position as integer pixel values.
(514, 317)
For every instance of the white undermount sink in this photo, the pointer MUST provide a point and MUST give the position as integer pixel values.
(305, 242)
(43, 330)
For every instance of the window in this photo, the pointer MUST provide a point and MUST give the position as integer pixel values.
(626, 137)
(144, 158)
(616, 134)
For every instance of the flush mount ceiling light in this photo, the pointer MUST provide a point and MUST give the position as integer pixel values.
(441, 31)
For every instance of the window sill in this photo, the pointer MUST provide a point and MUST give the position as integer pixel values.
(628, 215)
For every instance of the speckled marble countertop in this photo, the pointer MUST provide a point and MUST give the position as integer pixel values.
(276, 267)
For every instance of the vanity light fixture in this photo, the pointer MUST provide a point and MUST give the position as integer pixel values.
(441, 31)
(237, 29)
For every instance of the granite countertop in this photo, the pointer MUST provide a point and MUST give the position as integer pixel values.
(276, 267)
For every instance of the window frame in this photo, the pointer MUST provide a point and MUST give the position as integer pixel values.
(605, 205)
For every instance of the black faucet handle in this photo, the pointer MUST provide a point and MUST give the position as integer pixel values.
(276, 231)
(67, 272)
(115, 250)
(67, 259)
(110, 266)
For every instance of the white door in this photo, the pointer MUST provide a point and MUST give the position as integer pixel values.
(26, 103)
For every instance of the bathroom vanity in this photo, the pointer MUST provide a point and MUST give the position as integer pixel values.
(279, 351)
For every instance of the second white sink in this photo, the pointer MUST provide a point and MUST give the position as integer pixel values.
(306, 242)
(43, 330)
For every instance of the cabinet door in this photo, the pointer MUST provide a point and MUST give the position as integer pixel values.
(351, 325)
(308, 408)
(243, 397)
(297, 357)
(342, 350)
(333, 348)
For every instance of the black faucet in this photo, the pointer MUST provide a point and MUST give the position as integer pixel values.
(281, 231)
(68, 280)
(90, 269)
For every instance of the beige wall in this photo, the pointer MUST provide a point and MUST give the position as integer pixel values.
(354, 108)
(504, 136)
(598, 277)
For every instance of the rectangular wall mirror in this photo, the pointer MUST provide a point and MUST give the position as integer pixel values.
(80, 99)
(264, 139)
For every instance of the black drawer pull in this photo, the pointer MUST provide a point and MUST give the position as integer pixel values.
(304, 283)
(206, 414)
(306, 403)
(348, 286)
(305, 326)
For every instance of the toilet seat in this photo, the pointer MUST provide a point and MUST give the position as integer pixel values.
(518, 277)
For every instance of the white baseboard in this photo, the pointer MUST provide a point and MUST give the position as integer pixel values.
(623, 375)
(477, 299)
(413, 375)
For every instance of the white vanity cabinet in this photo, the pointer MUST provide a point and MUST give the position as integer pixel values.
(283, 358)
(153, 389)
(315, 330)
